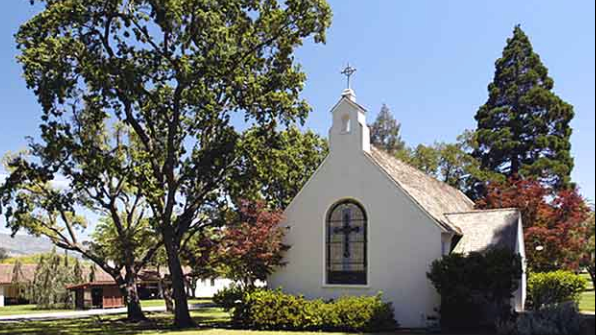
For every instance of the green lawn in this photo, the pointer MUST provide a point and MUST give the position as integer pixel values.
(210, 321)
(586, 303)
(31, 309)
(23, 309)
(207, 319)
(160, 303)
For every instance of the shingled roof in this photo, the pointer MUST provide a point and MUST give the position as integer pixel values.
(101, 277)
(435, 197)
(28, 273)
(7, 270)
(485, 229)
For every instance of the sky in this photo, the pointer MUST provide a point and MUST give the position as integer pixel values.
(430, 61)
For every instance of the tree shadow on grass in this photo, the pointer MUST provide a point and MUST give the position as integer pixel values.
(207, 318)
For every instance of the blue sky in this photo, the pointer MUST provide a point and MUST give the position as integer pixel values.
(430, 61)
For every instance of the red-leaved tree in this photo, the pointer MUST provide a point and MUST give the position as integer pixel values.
(553, 221)
(253, 247)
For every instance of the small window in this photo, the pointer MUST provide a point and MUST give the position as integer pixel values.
(346, 244)
(346, 124)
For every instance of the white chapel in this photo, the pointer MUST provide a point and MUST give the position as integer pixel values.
(366, 223)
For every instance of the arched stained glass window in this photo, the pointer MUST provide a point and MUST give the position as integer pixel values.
(346, 244)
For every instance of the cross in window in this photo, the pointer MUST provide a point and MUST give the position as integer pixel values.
(347, 230)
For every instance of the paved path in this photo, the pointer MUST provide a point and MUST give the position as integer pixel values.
(84, 314)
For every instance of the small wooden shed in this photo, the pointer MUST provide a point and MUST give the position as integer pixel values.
(97, 295)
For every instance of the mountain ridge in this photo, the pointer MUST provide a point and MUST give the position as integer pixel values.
(22, 245)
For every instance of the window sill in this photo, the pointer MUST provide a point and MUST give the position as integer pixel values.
(354, 287)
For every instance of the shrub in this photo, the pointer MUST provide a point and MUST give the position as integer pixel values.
(476, 289)
(274, 310)
(369, 314)
(555, 288)
(562, 319)
(229, 298)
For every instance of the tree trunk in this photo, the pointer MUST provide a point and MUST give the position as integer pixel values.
(133, 302)
(165, 292)
(182, 317)
(592, 272)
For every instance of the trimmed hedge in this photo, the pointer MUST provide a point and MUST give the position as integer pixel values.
(275, 310)
(555, 288)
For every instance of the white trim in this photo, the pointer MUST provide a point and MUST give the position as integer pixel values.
(1, 295)
(324, 235)
(354, 287)
(354, 104)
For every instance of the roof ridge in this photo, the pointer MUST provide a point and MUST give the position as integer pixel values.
(422, 174)
(433, 196)
(478, 211)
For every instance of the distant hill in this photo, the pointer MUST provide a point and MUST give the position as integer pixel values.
(22, 245)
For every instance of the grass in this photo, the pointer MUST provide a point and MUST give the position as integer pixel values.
(32, 309)
(210, 321)
(24, 309)
(586, 303)
(160, 303)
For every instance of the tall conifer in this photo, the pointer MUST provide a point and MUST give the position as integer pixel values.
(385, 132)
(524, 127)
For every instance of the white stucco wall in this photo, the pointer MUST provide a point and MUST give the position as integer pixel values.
(402, 239)
(1, 296)
(519, 299)
(207, 288)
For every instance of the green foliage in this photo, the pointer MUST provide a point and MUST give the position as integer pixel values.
(35, 258)
(451, 163)
(562, 319)
(175, 73)
(469, 284)
(556, 287)
(52, 275)
(230, 297)
(274, 310)
(275, 168)
(589, 254)
(424, 158)
(385, 132)
(524, 127)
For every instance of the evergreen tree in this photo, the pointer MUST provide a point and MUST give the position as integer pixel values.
(18, 280)
(92, 273)
(78, 272)
(3, 254)
(523, 129)
(385, 132)
(52, 275)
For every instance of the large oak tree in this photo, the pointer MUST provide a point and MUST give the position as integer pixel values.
(177, 72)
(96, 168)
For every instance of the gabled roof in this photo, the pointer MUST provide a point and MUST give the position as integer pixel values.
(434, 197)
(485, 229)
(351, 102)
(101, 277)
(28, 273)
(7, 270)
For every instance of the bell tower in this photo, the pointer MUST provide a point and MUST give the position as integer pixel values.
(349, 131)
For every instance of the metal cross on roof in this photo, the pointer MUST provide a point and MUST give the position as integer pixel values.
(349, 72)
